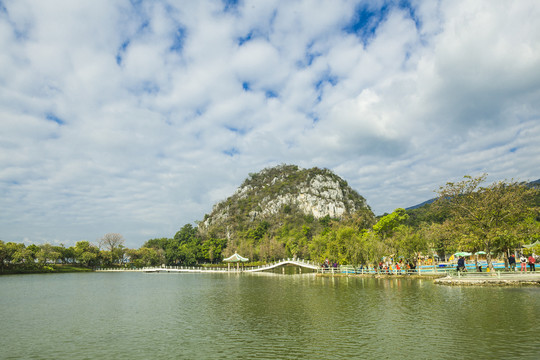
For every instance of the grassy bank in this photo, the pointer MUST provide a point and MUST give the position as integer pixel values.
(47, 269)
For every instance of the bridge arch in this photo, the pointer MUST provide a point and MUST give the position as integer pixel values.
(294, 262)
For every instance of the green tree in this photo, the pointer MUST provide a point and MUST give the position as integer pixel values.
(325, 221)
(160, 243)
(307, 232)
(67, 254)
(3, 254)
(362, 219)
(16, 253)
(9, 250)
(374, 248)
(184, 248)
(386, 225)
(443, 238)
(24, 257)
(146, 256)
(486, 216)
(351, 245)
(86, 254)
(212, 248)
(48, 254)
(34, 250)
(410, 243)
(317, 248)
(188, 233)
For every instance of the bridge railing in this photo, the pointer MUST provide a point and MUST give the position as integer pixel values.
(422, 270)
(343, 269)
(393, 271)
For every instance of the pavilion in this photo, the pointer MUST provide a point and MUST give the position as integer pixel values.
(235, 259)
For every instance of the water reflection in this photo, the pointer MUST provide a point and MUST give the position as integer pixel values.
(212, 316)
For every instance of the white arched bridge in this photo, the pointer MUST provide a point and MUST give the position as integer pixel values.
(186, 269)
(293, 262)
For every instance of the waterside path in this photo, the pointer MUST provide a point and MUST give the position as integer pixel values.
(498, 279)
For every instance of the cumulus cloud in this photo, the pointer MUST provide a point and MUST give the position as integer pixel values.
(136, 117)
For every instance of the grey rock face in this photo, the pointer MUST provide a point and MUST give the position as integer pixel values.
(314, 192)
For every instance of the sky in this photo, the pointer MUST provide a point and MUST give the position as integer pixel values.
(136, 117)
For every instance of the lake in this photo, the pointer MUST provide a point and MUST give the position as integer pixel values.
(261, 316)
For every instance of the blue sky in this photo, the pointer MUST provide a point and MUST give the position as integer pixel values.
(136, 117)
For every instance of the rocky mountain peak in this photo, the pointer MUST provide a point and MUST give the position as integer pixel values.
(286, 189)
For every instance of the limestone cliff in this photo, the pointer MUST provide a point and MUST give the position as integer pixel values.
(276, 192)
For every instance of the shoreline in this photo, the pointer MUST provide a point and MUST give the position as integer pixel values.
(506, 279)
(50, 269)
(385, 276)
(502, 279)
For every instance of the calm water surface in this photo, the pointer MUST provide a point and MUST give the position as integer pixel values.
(261, 316)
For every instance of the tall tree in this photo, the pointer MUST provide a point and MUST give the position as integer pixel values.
(386, 225)
(184, 247)
(48, 253)
(410, 243)
(86, 253)
(484, 216)
(114, 243)
(146, 256)
(160, 243)
(443, 238)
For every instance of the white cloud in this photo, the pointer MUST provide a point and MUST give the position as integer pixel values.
(137, 117)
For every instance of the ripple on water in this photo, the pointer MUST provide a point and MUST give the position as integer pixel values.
(179, 316)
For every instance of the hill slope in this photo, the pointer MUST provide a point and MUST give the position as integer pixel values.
(282, 202)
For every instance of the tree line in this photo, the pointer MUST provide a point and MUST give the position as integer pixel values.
(185, 248)
(466, 216)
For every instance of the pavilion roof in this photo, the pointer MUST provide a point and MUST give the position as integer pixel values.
(531, 245)
(236, 258)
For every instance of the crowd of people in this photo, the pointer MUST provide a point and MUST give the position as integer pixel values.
(390, 266)
(523, 261)
(531, 260)
(385, 267)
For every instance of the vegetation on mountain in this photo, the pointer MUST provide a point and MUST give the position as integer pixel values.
(278, 211)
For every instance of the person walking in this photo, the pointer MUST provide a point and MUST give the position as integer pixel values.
(512, 262)
(531, 263)
(523, 262)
